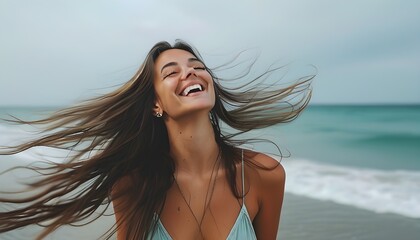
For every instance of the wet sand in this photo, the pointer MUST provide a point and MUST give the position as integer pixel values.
(305, 218)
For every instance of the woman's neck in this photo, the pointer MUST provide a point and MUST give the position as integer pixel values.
(192, 145)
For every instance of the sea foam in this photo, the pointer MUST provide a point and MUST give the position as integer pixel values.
(381, 191)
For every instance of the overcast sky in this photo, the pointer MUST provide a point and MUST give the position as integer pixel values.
(54, 52)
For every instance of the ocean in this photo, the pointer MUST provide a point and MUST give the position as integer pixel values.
(353, 173)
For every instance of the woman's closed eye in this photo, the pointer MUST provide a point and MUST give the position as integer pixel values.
(169, 74)
(175, 72)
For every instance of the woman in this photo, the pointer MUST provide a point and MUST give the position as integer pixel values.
(161, 158)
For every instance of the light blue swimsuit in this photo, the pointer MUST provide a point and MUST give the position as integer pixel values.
(242, 229)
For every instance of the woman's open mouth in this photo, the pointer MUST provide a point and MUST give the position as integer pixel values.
(192, 89)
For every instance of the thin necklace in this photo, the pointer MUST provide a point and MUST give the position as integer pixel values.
(208, 196)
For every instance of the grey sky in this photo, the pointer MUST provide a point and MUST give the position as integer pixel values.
(54, 52)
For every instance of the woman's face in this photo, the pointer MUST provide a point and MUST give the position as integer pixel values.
(182, 84)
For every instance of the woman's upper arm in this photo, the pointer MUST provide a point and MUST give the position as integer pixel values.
(270, 200)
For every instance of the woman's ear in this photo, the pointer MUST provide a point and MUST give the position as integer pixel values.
(157, 110)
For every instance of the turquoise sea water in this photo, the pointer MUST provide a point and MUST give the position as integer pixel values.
(362, 156)
(378, 137)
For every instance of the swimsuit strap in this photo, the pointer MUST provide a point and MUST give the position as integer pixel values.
(243, 177)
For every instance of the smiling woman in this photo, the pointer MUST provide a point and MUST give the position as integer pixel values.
(154, 149)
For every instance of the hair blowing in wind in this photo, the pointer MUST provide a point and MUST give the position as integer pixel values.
(115, 135)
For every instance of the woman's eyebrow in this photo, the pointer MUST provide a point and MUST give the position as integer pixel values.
(168, 65)
(194, 60)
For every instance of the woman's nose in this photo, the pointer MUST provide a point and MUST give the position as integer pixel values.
(188, 72)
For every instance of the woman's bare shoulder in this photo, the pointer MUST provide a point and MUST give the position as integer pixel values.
(267, 169)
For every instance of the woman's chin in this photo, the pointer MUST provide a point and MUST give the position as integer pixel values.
(190, 111)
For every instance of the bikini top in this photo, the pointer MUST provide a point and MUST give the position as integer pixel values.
(242, 229)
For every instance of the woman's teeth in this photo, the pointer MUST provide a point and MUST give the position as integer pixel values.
(192, 88)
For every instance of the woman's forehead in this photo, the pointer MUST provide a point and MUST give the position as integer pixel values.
(173, 55)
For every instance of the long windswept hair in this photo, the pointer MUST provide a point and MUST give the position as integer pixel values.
(116, 135)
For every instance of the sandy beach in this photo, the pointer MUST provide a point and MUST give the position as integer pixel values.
(305, 218)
